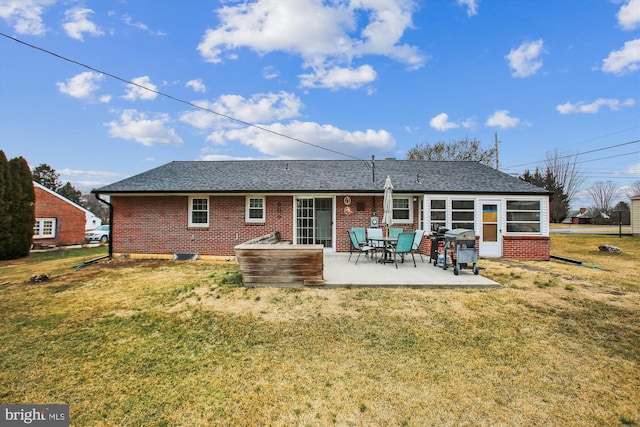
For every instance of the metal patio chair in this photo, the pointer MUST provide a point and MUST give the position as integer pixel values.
(358, 247)
(416, 243)
(404, 246)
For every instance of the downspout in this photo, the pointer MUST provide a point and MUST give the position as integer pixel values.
(110, 223)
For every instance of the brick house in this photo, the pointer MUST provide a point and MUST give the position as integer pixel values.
(59, 221)
(209, 207)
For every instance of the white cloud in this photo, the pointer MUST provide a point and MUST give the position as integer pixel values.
(137, 90)
(270, 73)
(136, 126)
(330, 40)
(502, 120)
(259, 108)
(197, 85)
(633, 169)
(629, 15)
(525, 60)
(472, 6)
(338, 78)
(625, 60)
(127, 19)
(77, 23)
(25, 16)
(81, 85)
(89, 173)
(441, 122)
(594, 107)
(358, 143)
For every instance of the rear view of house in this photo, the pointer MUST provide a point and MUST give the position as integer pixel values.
(209, 207)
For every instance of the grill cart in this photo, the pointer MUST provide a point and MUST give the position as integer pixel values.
(436, 237)
(461, 242)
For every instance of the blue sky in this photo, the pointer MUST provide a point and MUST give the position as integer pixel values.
(359, 78)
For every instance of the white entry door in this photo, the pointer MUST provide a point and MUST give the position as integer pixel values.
(490, 232)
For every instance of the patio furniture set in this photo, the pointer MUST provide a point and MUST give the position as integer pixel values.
(372, 241)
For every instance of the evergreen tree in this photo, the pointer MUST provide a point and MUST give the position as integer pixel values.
(559, 201)
(46, 175)
(22, 208)
(5, 216)
(71, 193)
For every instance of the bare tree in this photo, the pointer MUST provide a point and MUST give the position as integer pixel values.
(602, 193)
(566, 172)
(633, 189)
(465, 149)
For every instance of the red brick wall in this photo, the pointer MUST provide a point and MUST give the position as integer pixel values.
(531, 248)
(159, 224)
(362, 218)
(70, 221)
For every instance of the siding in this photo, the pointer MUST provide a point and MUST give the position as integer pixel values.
(635, 216)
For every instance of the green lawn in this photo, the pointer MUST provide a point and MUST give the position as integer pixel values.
(153, 343)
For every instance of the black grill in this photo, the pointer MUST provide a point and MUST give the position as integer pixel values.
(436, 237)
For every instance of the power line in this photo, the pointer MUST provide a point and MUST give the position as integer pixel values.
(584, 152)
(173, 98)
(609, 157)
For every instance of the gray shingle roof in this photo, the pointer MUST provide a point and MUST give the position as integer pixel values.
(321, 176)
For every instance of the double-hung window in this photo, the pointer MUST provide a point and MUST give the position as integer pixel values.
(523, 216)
(44, 228)
(402, 210)
(255, 210)
(198, 211)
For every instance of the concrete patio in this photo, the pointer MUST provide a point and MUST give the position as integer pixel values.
(339, 272)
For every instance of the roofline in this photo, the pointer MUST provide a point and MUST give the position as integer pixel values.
(61, 197)
(294, 192)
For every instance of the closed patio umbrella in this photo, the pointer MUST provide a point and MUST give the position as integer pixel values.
(387, 218)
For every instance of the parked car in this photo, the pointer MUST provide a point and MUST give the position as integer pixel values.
(100, 234)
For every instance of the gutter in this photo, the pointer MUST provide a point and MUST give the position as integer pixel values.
(110, 255)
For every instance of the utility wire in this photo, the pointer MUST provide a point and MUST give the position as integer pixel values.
(584, 152)
(173, 98)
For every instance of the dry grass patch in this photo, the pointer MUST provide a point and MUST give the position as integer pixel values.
(182, 343)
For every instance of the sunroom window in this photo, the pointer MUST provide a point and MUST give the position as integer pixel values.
(438, 214)
(462, 214)
(523, 216)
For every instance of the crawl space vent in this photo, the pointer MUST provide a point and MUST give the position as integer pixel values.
(185, 257)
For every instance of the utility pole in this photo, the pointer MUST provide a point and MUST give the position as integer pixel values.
(495, 137)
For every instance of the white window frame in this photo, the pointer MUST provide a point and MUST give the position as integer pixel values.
(452, 211)
(191, 211)
(429, 217)
(409, 220)
(539, 222)
(248, 209)
(38, 228)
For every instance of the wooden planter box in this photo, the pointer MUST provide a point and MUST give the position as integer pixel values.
(280, 263)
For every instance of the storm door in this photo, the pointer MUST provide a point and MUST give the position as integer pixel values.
(314, 221)
(491, 234)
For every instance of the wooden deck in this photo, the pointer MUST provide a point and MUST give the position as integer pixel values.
(280, 263)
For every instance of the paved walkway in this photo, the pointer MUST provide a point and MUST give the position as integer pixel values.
(340, 272)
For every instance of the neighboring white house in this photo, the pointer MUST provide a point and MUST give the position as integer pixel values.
(635, 215)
